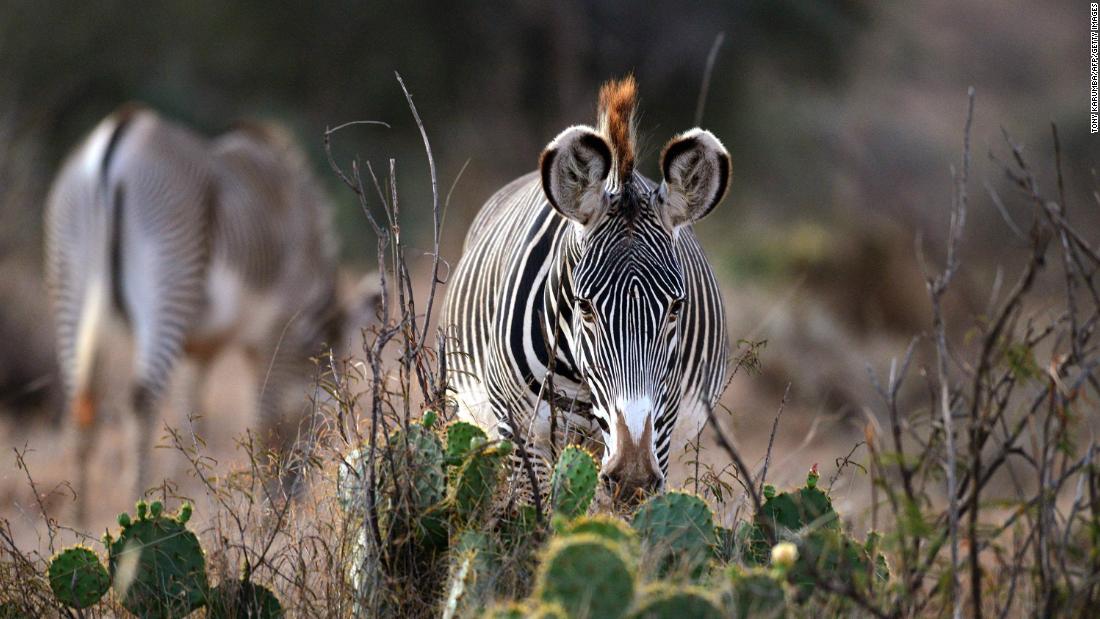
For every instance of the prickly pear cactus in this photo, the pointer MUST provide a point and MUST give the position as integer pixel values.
(477, 479)
(243, 600)
(573, 484)
(785, 514)
(828, 554)
(525, 610)
(755, 592)
(664, 601)
(587, 575)
(609, 528)
(77, 578)
(460, 435)
(418, 462)
(422, 462)
(677, 532)
(471, 575)
(157, 566)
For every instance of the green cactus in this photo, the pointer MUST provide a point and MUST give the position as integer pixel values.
(677, 532)
(524, 610)
(77, 578)
(460, 435)
(243, 600)
(587, 575)
(573, 484)
(519, 527)
(477, 479)
(785, 514)
(609, 528)
(664, 601)
(755, 592)
(830, 555)
(471, 575)
(157, 566)
(726, 541)
(422, 461)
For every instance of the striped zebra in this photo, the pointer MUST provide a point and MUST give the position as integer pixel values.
(194, 245)
(583, 305)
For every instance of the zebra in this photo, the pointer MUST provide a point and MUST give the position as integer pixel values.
(583, 302)
(194, 245)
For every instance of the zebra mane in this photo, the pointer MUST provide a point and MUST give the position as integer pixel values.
(616, 122)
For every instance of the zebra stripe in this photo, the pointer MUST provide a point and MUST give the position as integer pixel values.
(194, 245)
(592, 269)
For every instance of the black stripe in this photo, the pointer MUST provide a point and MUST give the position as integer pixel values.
(116, 216)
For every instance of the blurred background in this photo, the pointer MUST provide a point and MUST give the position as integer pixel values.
(844, 119)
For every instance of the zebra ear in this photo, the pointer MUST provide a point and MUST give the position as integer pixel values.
(574, 167)
(696, 169)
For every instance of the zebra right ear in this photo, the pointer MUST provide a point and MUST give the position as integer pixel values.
(574, 167)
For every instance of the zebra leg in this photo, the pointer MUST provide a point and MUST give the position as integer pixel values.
(85, 436)
(144, 402)
(192, 382)
(282, 406)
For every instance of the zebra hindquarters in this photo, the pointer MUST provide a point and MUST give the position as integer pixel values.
(159, 256)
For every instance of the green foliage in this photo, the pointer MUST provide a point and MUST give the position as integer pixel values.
(477, 479)
(784, 514)
(573, 484)
(157, 566)
(525, 610)
(609, 528)
(243, 600)
(677, 532)
(418, 468)
(830, 555)
(460, 435)
(807, 518)
(587, 575)
(664, 601)
(77, 578)
(755, 592)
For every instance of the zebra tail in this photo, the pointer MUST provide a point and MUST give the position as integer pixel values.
(101, 288)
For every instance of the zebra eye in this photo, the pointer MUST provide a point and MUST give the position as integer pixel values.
(675, 309)
(585, 308)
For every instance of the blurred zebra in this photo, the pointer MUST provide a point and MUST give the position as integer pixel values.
(194, 245)
(591, 270)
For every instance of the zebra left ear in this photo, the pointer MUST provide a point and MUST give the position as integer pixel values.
(574, 167)
(696, 169)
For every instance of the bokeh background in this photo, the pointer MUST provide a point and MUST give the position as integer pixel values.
(844, 119)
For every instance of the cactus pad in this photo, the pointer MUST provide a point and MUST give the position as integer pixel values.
(677, 530)
(460, 435)
(243, 600)
(77, 578)
(787, 513)
(573, 484)
(157, 566)
(422, 462)
(477, 479)
(588, 576)
(525, 610)
(753, 593)
(609, 528)
(663, 601)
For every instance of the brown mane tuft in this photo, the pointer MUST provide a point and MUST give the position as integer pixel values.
(616, 121)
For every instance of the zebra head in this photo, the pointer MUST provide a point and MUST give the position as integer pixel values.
(624, 286)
